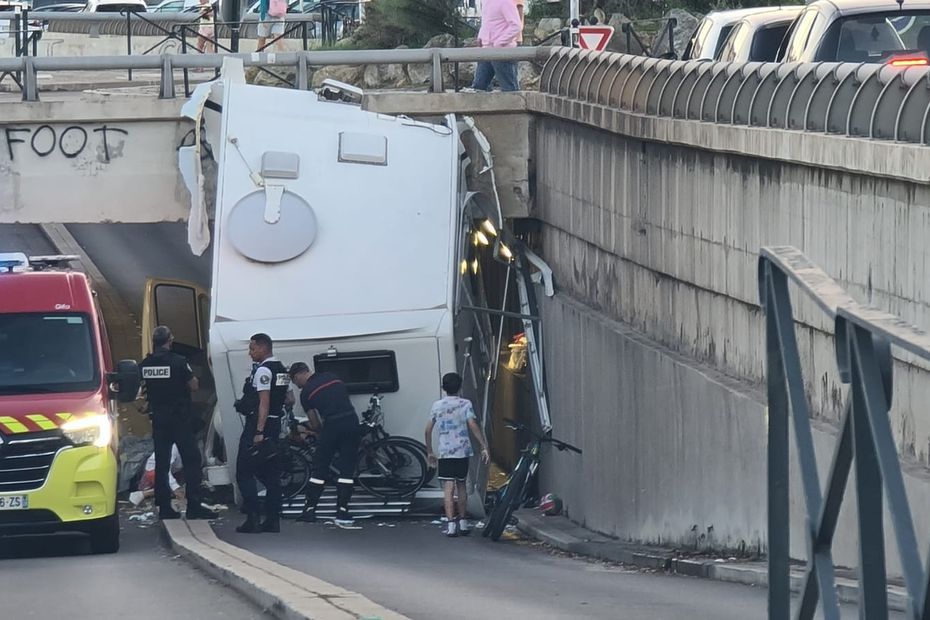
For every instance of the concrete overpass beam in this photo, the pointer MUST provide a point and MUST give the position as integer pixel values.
(92, 158)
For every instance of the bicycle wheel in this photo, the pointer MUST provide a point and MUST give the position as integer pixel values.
(420, 447)
(391, 469)
(509, 501)
(295, 471)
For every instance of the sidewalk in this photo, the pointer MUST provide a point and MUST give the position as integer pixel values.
(76, 81)
(564, 535)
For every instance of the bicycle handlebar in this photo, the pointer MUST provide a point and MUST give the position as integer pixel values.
(557, 443)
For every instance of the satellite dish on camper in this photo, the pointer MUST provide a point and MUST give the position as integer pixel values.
(277, 241)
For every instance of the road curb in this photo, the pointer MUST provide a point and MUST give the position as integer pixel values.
(603, 548)
(284, 592)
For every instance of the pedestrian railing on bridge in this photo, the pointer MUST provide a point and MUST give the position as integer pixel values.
(863, 341)
(861, 100)
(27, 67)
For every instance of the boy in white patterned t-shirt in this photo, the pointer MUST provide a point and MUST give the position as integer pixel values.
(454, 417)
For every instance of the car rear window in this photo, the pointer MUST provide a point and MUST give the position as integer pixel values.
(874, 37)
(766, 43)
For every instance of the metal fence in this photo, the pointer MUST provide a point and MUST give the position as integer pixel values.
(863, 100)
(864, 338)
(27, 67)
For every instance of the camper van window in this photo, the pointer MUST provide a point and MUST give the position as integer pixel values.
(363, 372)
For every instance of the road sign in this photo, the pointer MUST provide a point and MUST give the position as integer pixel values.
(594, 37)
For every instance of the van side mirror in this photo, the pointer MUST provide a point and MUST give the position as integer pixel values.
(125, 382)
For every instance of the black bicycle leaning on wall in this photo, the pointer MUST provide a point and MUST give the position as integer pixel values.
(515, 491)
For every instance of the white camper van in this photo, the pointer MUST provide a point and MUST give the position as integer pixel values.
(350, 238)
(335, 234)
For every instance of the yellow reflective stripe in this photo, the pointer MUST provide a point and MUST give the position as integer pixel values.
(44, 423)
(13, 425)
(64, 417)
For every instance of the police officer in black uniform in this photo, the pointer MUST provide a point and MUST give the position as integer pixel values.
(326, 400)
(262, 404)
(169, 382)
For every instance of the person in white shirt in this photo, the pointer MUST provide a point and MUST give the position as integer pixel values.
(147, 482)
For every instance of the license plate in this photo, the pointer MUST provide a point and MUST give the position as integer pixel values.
(14, 502)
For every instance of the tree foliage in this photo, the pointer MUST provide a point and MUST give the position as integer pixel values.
(392, 23)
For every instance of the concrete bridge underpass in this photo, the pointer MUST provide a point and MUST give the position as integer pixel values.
(650, 187)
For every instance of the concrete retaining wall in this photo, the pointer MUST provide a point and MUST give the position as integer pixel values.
(663, 237)
(674, 452)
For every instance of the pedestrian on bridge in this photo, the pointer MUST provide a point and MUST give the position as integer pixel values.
(169, 382)
(454, 416)
(263, 398)
(502, 27)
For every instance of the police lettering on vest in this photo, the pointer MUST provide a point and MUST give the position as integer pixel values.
(156, 372)
(166, 377)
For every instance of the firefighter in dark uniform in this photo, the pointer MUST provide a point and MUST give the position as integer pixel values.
(326, 400)
(262, 404)
(169, 382)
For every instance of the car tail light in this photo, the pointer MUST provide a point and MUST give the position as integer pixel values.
(909, 61)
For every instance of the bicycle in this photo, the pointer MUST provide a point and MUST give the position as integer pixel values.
(389, 467)
(515, 491)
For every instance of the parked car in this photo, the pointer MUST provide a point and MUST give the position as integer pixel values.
(713, 30)
(115, 6)
(870, 31)
(67, 7)
(758, 37)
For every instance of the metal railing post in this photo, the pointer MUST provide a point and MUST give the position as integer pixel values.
(779, 603)
(672, 22)
(303, 73)
(187, 86)
(129, 39)
(166, 86)
(30, 85)
(303, 35)
(26, 32)
(436, 74)
(873, 596)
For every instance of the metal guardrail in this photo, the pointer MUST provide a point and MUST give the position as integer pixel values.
(29, 66)
(863, 340)
(860, 100)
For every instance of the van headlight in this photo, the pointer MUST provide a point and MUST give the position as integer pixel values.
(94, 429)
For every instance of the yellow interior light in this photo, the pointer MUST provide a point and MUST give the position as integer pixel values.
(464, 267)
(489, 228)
(481, 238)
(505, 252)
(474, 266)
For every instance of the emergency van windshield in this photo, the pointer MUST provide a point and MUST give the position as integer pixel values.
(46, 352)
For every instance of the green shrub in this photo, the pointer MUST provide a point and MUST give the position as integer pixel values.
(391, 23)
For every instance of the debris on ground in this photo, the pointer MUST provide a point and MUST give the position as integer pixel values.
(144, 517)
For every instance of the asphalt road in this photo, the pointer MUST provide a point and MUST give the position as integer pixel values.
(127, 254)
(413, 569)
(26, 238)
(55, 577)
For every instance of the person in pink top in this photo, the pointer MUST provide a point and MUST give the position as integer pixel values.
(500, 27)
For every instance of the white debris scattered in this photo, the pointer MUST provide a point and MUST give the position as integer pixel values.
(146, 516)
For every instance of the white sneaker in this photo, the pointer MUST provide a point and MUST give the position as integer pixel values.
(452, 529)
(464, 530)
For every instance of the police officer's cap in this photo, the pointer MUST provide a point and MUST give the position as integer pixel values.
(161, 336)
